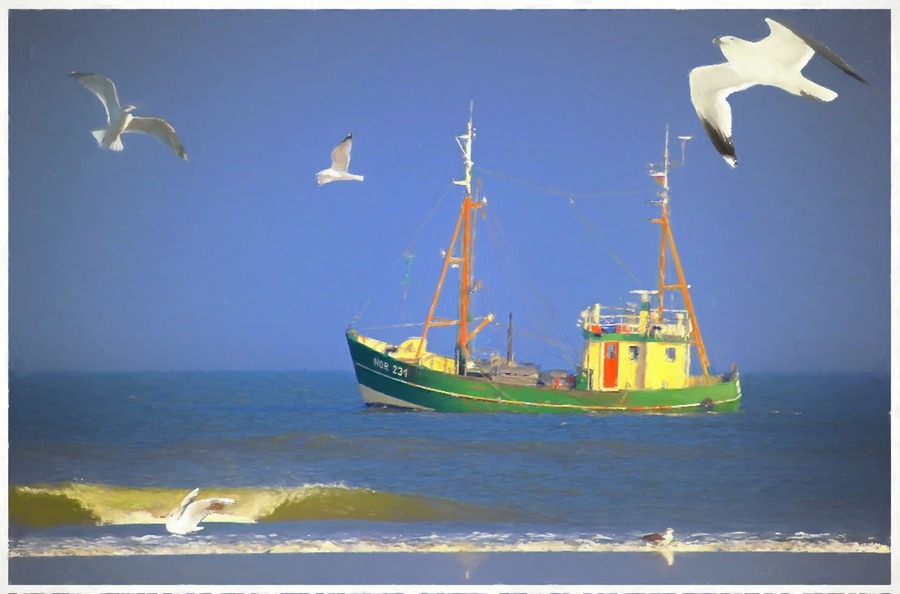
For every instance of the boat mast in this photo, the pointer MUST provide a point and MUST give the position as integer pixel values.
(464, 261)
(465, 266)
(509, 338)
(666, 239)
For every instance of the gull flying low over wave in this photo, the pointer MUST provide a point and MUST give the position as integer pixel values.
(186, 518)
(660, 539)
(119, 119)
(340, 162)
(775, 61)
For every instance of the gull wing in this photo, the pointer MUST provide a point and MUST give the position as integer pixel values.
(710, 88)
(187, 500)
(159, 128)
(815, 46)
(784, 47)
(198, 510)
(103, 88)
(340, 156)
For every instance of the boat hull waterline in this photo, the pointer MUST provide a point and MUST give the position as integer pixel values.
(389, 382)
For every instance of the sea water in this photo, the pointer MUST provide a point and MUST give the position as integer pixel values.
(95, 460)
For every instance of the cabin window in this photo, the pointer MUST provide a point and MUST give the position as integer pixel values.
(633, 352)
(670, 354)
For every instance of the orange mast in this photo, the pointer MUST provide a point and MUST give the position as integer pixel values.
(464, 224)
(666, 238)
(465, 274)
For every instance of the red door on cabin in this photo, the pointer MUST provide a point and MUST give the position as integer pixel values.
(611, 365)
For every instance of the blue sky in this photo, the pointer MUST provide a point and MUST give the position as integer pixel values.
(235, 259)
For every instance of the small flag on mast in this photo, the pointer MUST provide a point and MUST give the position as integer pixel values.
(659, 177)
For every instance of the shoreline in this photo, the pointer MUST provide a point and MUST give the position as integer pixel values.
(535, 568)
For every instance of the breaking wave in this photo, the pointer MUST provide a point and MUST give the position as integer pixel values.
(86, 504)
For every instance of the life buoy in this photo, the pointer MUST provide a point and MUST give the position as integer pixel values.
(622, 329)
(707, 404)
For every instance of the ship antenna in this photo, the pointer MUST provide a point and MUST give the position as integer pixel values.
(465, 145)
(683, 140)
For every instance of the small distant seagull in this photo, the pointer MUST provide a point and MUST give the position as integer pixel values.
(775, 61)
(119, 119)
(340, 162)
(186, 518)
(660, 539)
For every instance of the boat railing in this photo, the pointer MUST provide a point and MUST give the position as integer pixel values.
(631, 324)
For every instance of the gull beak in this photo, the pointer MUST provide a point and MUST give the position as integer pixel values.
(717, 41)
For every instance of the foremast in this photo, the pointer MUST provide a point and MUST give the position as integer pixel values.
(668, 241)
(465, 228)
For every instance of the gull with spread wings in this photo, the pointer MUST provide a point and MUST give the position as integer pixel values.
(119, 119)
(340, 162)
(775, 61)
(190, 513)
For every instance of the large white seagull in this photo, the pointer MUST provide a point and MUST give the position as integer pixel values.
(775, 61)
(119, 119)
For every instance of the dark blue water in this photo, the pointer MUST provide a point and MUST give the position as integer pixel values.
(807, 455)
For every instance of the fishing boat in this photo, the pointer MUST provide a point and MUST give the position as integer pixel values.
(634, 359)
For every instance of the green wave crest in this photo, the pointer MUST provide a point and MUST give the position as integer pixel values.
(60, 504)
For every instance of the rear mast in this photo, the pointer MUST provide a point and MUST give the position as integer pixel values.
(667, 240)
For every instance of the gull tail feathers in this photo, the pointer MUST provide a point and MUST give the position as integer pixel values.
(100, 136)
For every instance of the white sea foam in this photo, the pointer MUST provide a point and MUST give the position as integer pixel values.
(478, 542)
(149, 538)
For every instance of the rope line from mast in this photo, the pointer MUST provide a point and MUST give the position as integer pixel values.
(502, 246)
(418, 324)
(592, 229)
(582, 217)
(403, 254)
(555, 191)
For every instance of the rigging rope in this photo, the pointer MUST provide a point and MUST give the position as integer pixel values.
(554, 191)
(582, 217)
(612, 252)
(497, 235)
(403, 255)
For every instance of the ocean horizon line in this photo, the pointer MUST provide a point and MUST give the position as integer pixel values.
(886, 373)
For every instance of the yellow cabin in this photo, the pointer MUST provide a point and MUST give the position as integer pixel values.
(637, 350)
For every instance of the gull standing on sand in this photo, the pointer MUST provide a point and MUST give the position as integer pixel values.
(660, 539)
(186, 518)
(119, 119)
(774, 61)
(340, 162)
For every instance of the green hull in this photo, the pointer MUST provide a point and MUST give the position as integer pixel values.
(386, 381)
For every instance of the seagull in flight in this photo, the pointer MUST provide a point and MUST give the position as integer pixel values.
(340, 161)
(775, 61)
(660, 539)
(119, 119)
(186, 518)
